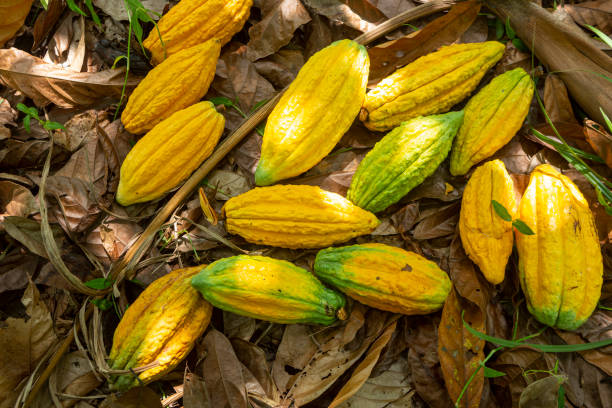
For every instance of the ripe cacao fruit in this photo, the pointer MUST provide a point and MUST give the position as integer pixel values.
(560, 267)
(492, 118)
(12, 15)
(431, 84)
(169, 153)
(269, 289)
(161, 327)
(192, 22)
(402, 159)
(296, 217)
(384, 277)
(486, 237)
(178, 82)
(315, 112)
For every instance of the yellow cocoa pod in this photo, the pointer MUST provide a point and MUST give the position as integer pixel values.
(159, 329)
(296, 217)
(12, 15)
(315, 112)
(486, 237)
(178, 82)
(560, 267)
(492, 117)
(431, 84)
(169, 153)
(269, 289)
(384, 277)
(193, 22)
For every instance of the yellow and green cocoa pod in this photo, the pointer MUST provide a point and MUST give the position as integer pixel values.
(192, 22)
(486, 237)
(298, 216)
(269, 289)
(560, 266)
(159, 329)
(178, 82)
(384, 277)
(169, 153)
(402, 159)
(315, 112)
(492, 118)
(431, 84)
(12, 15)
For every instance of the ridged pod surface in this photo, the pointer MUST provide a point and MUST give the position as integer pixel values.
(431, 84)
(269, 289)
(486, 237)
(384, 277)
(192, 22)
(315, 112)
(560, 267)
(178, 82)
(12, 15)
(169, 153)
(161, 326)
(492, 118)
(298, 216)
(402, 159)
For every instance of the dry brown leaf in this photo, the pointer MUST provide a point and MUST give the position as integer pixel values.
(599, 139)
(8, 116)
(461, 352)
(541, 393)
(565, 49)
(387, 57)
(339, 11)
(23, 342)
(364, 369)
(47, 83)
(17, 154)
(276, 28)
(392, 8)
(135, 398)
(194, 392)
(254, 359)
(438, 222)
(27, 232)
(46, 20)
(16, 200)
(596, 13)
(556, 100)
(222, 372)
(334, 173)
(366, 10)
(513, 58)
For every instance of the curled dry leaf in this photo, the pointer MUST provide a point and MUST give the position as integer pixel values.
(276, 28)
(16, 200)
(599, 139)
(47, 83)
(385, 58)
(209, 212)
(23, 342)
(597, 13)
(27, 232)
(556, 100)
(542, 393)
(8, 116)
(14, 269)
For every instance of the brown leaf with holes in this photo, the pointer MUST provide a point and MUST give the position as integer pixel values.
(599, 139)
(556, 100)
(387, 57)
(47, 83)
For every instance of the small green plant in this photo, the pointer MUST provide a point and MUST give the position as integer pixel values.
(503, 213)
(74, 7)
(32, 113)
(222, 100)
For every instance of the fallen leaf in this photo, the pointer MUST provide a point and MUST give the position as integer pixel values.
(599, 139)
(27, 232)
(46, 83)
(542, 393)
(23, 342)
(222, 372)
(440, 222)
(17, 154)
(194, 392)
(254, 359)
(392, 8)
(364, 369)
(137, 397)
(8, 116)
(387, 57)
(16, 200)
(46, 20)
(556, 100)
(338, 11)
(227, 184)
(276, 28)
(117, 10)
(14, 269)
(596, 13)
(240, 327)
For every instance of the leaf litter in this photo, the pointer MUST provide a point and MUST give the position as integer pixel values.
(374, 359)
